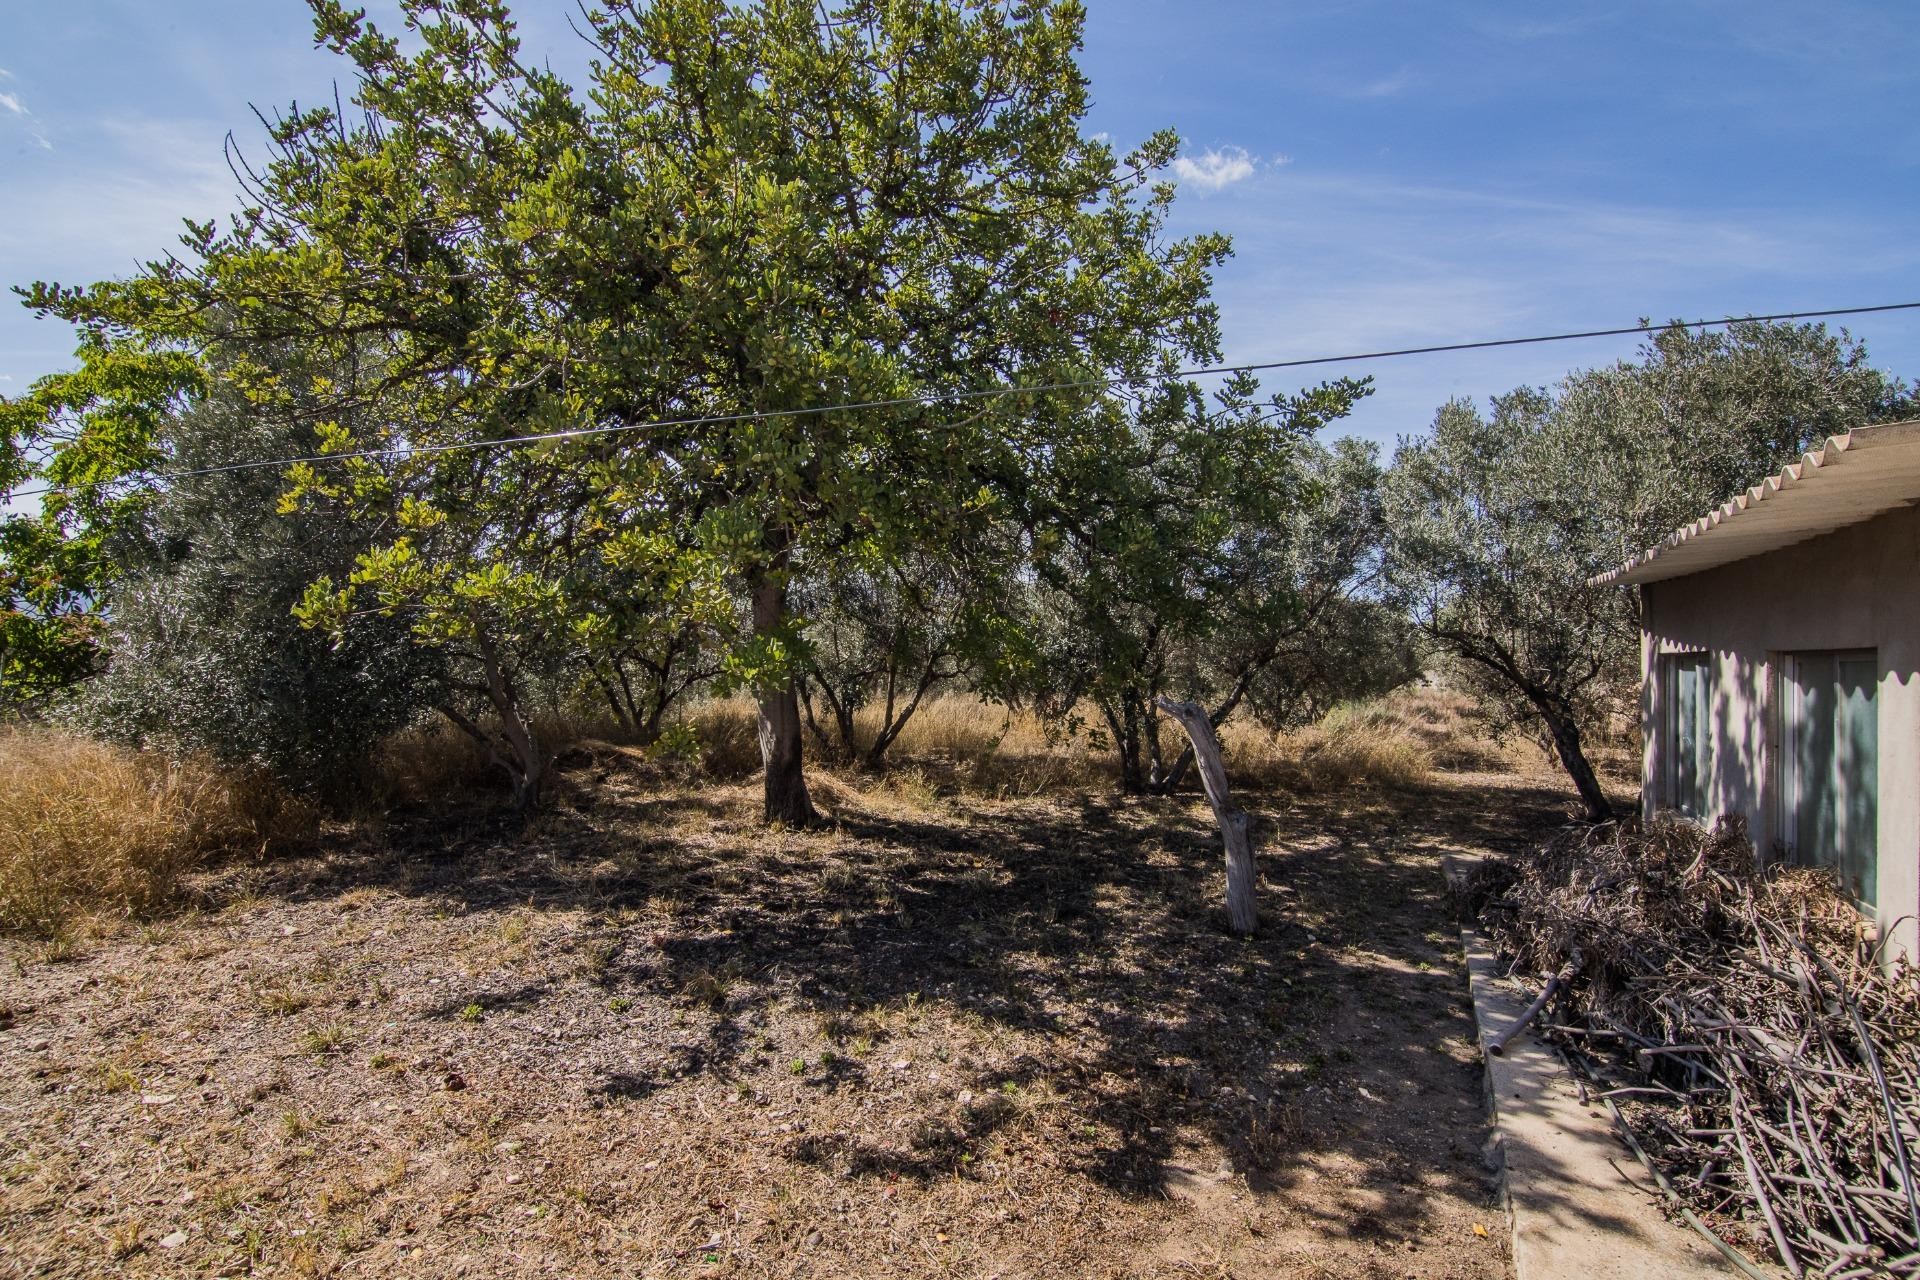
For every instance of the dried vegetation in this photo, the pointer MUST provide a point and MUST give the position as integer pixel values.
(955, 1033)
(1744, 1028)
(91, 834)
(88, 829)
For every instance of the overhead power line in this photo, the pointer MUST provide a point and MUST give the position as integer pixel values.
(951, 397)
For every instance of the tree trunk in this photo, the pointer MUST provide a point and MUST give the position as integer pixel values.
(849, 735)
(1170, 782)
(648, 731)
(1124, 721)
(890, 727)
(1235, 826)
(621, 716)
(781, 752)
(530, 764)
(1573, 757)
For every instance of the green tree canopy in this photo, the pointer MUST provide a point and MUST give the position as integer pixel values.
(753, 211)
(1181, 552)
(1498, 521)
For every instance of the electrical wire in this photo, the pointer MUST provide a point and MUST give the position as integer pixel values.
(946, 397)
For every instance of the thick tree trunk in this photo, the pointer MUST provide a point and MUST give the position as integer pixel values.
(1573, 758)
(1235, 826)
(781, 751)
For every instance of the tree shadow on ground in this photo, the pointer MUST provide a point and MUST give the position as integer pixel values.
(1086, 928)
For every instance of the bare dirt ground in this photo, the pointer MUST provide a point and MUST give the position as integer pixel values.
(644, 1037)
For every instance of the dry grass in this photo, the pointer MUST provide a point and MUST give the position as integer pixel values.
(434, 760)
(979, 746)
(987, 748)
(728, 732)
(1396, 741)
(1354, 745)
(644, 1036)
(92, 830)
(87, 829)
(426, 763)
(1453, 734)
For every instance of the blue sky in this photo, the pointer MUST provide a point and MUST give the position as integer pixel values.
(1392, 174)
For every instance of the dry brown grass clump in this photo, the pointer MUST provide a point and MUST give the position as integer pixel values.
(978, 745)
(728, 732)
(88, 829)
(426, 763)
(1355, 744)
(436, 759)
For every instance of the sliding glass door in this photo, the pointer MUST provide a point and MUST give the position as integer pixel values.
(1831, 765)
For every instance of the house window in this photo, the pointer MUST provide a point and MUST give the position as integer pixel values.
(1689, 733)
(1830, 765)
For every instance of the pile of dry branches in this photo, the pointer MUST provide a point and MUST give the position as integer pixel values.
(1767, 1060)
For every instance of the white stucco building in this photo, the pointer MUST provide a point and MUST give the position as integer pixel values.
(1780, 655)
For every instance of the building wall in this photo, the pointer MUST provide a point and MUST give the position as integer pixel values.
(1855, 588)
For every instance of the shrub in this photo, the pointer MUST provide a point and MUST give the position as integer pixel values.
(204, 654)
(92, 829)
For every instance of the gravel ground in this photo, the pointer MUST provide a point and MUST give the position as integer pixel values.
(644, 1037)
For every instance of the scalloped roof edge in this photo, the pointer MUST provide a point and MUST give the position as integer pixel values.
(1849, 479)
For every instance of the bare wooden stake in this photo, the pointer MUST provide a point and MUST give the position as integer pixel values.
(1242, 913)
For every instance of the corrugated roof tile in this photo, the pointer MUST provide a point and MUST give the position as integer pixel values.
(1849, 478)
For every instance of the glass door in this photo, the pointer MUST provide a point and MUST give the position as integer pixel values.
(1832, 765)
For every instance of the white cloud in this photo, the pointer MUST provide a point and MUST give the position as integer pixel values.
(13, 104)
(117, 202)
(1214, 169)
(1387, 86)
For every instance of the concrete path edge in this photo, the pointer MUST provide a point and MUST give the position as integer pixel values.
(1579, 1205)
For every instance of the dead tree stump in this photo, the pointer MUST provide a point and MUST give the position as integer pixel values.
(1242, 913)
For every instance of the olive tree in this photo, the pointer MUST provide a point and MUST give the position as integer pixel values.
(202, 652)
(1194, 535)
(1498, 521)
(887, 635)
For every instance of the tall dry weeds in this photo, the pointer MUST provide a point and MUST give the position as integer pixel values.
(983, 746)
(1354, 745)
(90, 830)
(978, 745)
